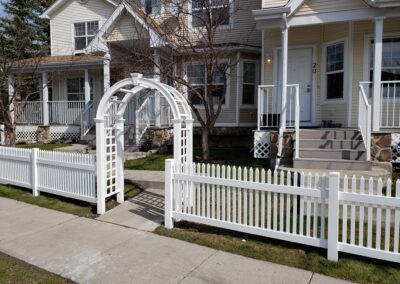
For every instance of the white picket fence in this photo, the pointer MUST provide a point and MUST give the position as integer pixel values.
(65, 174)
(348, 215)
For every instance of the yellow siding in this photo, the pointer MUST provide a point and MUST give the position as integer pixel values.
(326, 6)
(126, 28)
(62, 21)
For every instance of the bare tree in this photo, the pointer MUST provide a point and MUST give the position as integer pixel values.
(192, 52)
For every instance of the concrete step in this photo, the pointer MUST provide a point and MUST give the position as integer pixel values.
(332, 144)
(328, 134)
(334, 164)
(345, 154)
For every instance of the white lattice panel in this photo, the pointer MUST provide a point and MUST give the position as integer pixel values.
(65, 132)
(26, 133)
(395, 147)
(262, 144)
(111, 161)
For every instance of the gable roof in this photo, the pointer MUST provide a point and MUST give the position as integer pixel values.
(59, 3)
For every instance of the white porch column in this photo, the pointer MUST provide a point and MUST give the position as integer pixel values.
(11, 90)
(376, 100)
(157, 101)
(87, 87)
(45, 98)
(106, 72)
(285, 31)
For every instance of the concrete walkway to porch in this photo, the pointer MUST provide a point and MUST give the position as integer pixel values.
(95, 251)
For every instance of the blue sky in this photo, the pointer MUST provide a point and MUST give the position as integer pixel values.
(1, 9)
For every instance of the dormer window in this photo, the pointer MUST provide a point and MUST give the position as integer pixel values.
(152, 6)
(84, 33)
(219, 10)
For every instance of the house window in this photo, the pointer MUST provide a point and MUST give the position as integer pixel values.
(335, 71)
(218, 10)
(249, 83)
(390, 65)
(84, 33)
(196, 75)
(152, 6)
(76, 89)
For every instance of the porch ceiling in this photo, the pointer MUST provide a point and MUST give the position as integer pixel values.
(64, 62)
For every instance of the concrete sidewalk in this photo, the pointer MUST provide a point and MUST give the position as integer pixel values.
(94, 251)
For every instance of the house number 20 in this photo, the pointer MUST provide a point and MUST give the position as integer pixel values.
(314, 68)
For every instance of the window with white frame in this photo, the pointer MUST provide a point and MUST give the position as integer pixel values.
(152, 6)
(85, 33)
(249, 85)
(334, 71)
(76, 89)
(196, 75)
(217, 10)
(390, 65)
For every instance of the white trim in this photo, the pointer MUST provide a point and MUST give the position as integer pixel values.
(230, 124)
(226, 105)
(314, 80)
(346, 56)
(58, 4)
(240, 83)
(80, 51)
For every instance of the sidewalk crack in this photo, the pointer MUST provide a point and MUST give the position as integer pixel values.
(197, 266)
(312, 275)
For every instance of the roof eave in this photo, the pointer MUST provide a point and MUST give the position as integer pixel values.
(271, 13)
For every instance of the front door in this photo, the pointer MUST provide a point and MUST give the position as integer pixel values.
(299, 72)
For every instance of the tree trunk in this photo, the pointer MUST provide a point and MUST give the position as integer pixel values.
(205, 144)
(10, 131)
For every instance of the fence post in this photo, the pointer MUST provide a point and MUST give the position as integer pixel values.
(34, 172)
(168, 221)
(333, 216)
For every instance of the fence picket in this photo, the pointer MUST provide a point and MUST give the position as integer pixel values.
(275, 202)
(378, 218)
(234, 196)
(308, 214)
(295, 199)
(269, 208)
(228, 196)
(361, 216)
(281, 202)
(203, 192)
(353, 213)
(208, 194)
(387, 220)
(257, 200)
(288, 196)
(301, 214)
(370, 217)
(315, 207)
(251, 201)
(223, 189)
(239, 197)
(397, 221)
(218, 189)
(213, 205)
(245, 221)
(262, 200)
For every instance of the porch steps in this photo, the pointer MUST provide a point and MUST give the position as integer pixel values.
(332, 149)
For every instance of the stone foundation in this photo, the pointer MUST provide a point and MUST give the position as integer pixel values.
(381, 147)
(269, 144)
(43, 134)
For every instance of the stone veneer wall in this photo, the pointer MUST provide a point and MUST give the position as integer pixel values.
(287, 145)
(381, 147)
(158, 137)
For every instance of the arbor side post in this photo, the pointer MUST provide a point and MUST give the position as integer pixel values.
(177, 140)
(168, 221)
(34, 178)
(333, 216)
(120, 159)
(189, 126)
(101, 166)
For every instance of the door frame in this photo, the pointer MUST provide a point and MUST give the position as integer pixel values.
(275, 77)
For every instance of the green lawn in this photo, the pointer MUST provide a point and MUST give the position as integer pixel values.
(349, 267)
(67, 205)
(237, 157)
(16, 271)
(48, 147)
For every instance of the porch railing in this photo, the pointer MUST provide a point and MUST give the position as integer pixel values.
(87, 118)
(270, 111)
(66, 112)
(143, 117)
(29, 112)
(364, 118)
(269, 106)
(390, 104)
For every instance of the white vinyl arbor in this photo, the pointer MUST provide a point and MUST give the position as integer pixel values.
(110, 132)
